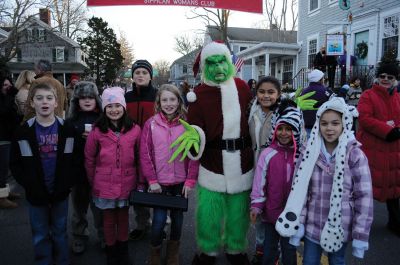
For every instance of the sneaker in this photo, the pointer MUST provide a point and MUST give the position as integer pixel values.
(137, 234)
(7, 204)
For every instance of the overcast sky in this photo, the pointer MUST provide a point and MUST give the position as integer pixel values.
(151, 29)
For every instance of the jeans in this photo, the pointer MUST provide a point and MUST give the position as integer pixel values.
(49, 233)
(160, 218)
(4, 163)
(271, 252)
(313, 251)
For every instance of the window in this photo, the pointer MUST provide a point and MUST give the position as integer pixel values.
(185, 68)
(29, 36)
(35, 34)
(58, 54)
(41, 35)
(242, 48)
(312, 51)
(313, 5)
(390, 40)
(287, 71)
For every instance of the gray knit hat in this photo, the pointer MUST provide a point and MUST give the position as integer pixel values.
(83, 89)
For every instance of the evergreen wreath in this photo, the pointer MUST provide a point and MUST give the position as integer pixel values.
(362, 50)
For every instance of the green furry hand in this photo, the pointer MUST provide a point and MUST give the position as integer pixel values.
(190, 138)
(304, 103)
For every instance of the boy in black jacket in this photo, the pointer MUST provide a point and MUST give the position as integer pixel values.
(42, 162)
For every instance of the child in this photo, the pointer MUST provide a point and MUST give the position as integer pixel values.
(176, 178)
(273, 179)
(111, 165)
(333, 183)
(85, 107)
(268, 92)
(42, 162)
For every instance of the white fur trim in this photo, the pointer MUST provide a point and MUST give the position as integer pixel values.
(226, 183)
(191, 96)
(4, 192)
(230, 109)
(214, 48)
(202, 143)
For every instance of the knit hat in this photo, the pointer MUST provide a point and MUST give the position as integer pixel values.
(143, 64)
(315, 75)
(74, 77)
(388, 68)
(332, 234)
(83, 89)
(113, 95)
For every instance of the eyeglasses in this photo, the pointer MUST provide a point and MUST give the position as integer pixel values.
(384, 76)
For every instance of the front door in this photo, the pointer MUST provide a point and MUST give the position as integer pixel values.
(361, 47)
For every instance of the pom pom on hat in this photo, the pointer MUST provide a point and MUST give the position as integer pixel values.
(315, 76)
(113, 95)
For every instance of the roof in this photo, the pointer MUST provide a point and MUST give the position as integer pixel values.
(254, 35)
(186, 57)
(3, 33)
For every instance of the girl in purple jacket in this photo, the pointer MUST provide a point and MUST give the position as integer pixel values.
(112, 170)
(176, 178)
(330, 203)
(273, 179)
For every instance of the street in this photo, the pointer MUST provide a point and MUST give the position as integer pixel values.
(16, 247)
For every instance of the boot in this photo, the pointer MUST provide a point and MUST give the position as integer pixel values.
(203, 259)
(123, 253)
(238, 259)
(7, 204)
(155, 255)
(112, 258)
(173, 252)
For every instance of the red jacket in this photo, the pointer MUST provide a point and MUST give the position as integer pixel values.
(376, 107)
(140, 104)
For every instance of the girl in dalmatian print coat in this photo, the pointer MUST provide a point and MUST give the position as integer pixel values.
(330, 202)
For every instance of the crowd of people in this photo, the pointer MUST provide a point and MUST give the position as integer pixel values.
(305, 171)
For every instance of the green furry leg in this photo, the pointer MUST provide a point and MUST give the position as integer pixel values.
(209, 217)
(237, 222)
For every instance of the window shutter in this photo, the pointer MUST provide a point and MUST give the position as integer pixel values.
(19, 55)
(65, 55)
(54, 55)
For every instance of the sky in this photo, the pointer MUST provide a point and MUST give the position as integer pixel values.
(151, 29)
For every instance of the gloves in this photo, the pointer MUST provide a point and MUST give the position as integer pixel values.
(304, 103)
(359, 247)
(155, 188)
(190, 138)
(295, 240)
(393, 135)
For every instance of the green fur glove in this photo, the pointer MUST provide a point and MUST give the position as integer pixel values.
(190, 138)
(304, 103)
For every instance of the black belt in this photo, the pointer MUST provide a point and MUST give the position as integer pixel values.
(230, 145)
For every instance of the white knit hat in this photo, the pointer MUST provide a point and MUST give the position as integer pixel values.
(332, 235)
(315, 75)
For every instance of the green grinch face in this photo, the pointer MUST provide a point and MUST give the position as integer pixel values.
(217, 69)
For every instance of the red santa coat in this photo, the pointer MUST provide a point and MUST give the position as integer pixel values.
(376, 107)
(220, 113)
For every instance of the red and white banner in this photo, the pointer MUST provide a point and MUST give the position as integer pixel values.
(254, 6)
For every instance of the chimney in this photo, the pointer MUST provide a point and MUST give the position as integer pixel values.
(44, 15)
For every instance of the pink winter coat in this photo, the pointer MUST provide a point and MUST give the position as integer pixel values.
(111, 162)
(158, 134)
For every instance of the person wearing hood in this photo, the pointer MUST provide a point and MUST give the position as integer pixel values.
(84, 110)
(273, 179)
(379, 133)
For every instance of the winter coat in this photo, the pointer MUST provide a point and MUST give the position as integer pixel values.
(272, 181)
(47, 78)
(26, 165)
(376, 107)
(140, 103)
(357, 203)
(111, 162)
(8, 116)
(157, 135)
(322, 95)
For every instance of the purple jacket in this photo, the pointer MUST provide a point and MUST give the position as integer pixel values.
(111, 161)
(357, 202)
(272, 181)
(158, 134)
(322, 94)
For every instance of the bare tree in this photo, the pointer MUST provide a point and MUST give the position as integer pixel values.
(281, 20)
(217, 17)
(185, 44)
(126, 50)
(162, 68)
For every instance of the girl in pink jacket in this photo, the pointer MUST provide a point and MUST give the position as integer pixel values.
(176, 178)
(112, 170)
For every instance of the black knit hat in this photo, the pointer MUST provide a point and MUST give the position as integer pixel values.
(143, 64)
(390, 69)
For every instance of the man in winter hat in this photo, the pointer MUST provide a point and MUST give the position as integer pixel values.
(220, 133)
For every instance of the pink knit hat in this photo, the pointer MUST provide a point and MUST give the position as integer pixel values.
(113, 95)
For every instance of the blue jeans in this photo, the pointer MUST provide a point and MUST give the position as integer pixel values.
(271, 252)
(313, 251)
(160, 219)
(49, 233)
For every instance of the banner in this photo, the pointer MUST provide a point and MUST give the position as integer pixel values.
(254, 6)
(334, 44)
